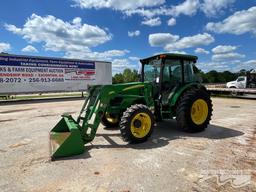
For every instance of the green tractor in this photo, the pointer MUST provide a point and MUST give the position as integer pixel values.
(168, 89)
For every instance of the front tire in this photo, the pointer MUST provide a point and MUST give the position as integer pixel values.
(136, 124)
(109, 120)
(194, 111)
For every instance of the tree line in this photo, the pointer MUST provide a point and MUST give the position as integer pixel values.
(212, 76)
(126, 76)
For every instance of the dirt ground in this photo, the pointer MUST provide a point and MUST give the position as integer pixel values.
(222, 158)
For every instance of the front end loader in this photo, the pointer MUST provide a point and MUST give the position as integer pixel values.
(69, 136)
(168, 89)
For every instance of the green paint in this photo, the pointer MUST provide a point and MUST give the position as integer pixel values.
(179, 91)
(65, 138)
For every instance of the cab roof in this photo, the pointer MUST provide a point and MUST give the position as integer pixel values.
(170, 56)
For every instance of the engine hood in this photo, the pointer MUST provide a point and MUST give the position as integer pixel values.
(230, 83)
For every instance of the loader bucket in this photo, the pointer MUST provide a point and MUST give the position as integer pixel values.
(65, 138)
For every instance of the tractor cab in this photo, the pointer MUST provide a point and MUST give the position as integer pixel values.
(167, 72)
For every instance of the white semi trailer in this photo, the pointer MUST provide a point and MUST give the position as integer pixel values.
(21, 74)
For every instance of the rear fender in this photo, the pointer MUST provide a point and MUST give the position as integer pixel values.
(179, 92)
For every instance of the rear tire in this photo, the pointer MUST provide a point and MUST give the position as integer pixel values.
(136, 124)
(194, 111)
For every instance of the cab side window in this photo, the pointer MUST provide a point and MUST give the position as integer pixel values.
(240, 79)
(173, 71)
(188, 71)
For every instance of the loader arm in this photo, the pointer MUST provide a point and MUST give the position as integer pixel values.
(92, 111)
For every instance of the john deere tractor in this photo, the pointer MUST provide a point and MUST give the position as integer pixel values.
(168, 89)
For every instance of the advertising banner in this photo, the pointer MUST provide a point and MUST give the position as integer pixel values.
(24, 74)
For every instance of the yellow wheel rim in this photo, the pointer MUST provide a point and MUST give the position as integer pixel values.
(199, 111)
(140, 125)
(110, 118)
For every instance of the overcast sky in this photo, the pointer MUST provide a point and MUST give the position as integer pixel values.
(222, 33)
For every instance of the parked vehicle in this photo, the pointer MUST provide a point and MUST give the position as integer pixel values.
(242, 82)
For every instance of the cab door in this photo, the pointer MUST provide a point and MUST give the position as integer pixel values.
(241, 82)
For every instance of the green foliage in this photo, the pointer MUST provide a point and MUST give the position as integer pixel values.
(118, 78)
(218, 77)
(228, 76)
(128, 75)
(242, 72)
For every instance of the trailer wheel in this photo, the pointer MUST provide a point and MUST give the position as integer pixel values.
(194, 111)
(109, 120)
(136, 124)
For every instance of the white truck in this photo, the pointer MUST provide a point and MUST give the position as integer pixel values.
(242, 82)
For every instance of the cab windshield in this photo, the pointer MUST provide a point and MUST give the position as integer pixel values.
(152, 71)
(172, 71)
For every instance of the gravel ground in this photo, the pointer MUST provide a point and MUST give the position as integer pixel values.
(222, 158)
